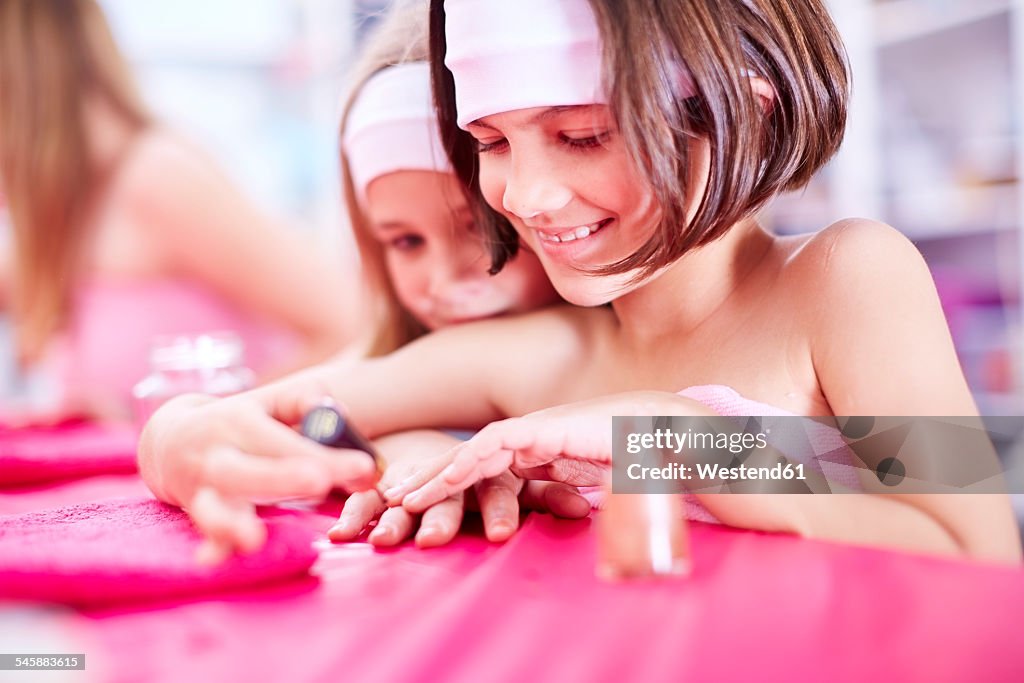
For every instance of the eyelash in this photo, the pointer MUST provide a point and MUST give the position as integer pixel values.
(405, 243)
(576, 144)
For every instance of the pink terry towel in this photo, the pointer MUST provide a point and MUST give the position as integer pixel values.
(132, 549)
(39, 454)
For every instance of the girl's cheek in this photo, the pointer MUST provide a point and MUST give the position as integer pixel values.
(407, 284)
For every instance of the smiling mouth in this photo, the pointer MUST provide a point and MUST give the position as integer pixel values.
(572, 234)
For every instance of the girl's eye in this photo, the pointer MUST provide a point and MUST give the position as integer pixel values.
(587, 142)
(495, 146)
(405, 242)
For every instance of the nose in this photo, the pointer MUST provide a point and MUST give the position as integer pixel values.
(462, 269)
(534, 187)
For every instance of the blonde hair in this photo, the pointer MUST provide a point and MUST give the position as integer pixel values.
(400, 38)
(54, 57)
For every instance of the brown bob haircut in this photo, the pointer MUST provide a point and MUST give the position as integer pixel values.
(755, 154)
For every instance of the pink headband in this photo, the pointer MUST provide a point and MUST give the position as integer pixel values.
(515, 54)
(392, 127)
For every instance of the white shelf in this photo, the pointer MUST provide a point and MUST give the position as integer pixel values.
(900, 21)
(952, 212)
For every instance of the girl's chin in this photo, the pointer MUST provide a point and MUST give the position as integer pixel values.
(587, 297)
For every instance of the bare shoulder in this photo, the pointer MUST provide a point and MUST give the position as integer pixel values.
(165, 171)
(855, 256)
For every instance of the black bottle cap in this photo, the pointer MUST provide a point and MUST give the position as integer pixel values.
(327, 426)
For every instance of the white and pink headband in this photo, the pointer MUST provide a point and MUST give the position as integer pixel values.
(516, 54)
(392, 127)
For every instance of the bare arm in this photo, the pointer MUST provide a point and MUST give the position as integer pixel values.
(214, 457)
(882, 347)
(462, 377)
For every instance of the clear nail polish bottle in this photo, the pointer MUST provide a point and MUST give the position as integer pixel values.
(641, 530)
(642, 535)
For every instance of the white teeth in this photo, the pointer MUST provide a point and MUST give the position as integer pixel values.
(579, 233)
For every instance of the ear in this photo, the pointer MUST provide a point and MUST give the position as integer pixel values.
(764, 92)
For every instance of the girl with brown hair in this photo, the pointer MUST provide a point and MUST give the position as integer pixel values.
(629, 145)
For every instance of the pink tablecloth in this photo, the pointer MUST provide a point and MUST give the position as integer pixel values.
(758, 606)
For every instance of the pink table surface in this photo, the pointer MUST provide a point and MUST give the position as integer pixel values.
(758, 606)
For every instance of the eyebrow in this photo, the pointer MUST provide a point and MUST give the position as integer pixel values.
(391, 226)
(542, 116)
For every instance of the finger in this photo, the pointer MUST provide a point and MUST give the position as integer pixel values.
(429, 495)
(231, 524)
(499, 505)
(566, 470)
(423, 473)
(475, 463)
(290, 398)
(239, 475)
(424, 491)
(395, 525)
(212, 553)
(347, 469)
(440, 523)
(360, 509)
(559, 499)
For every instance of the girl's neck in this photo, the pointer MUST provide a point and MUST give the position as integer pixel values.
(687, 293)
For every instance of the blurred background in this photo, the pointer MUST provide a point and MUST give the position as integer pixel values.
(935, 145)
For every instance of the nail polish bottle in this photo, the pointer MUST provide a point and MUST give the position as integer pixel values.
(326, 425)
(642, 535)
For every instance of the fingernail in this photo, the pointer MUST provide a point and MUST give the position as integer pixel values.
(393, 491)
(501, 530)
(382, 531)
(412, 499)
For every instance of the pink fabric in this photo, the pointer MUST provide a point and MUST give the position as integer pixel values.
(757, 607)
(824, 441)
(727, 401)
(78, 449)
(63, 492)
(106, 350)
(131, 549)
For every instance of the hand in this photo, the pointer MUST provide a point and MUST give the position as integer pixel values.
(217, 458)
(562, 446)
(499, 500)
(571, 443)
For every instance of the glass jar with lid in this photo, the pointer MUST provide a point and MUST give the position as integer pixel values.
(210, 363)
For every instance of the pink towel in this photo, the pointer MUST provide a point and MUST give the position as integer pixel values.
(132, 549)
(78, 449)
